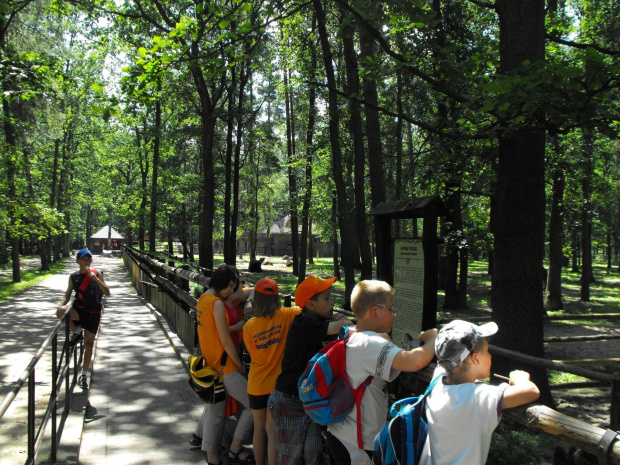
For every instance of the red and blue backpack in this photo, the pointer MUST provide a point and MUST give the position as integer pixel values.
(324, 387)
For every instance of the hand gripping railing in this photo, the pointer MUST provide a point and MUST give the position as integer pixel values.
(60, 375)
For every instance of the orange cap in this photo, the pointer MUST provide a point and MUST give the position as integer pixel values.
(266, 286)
(309, 287)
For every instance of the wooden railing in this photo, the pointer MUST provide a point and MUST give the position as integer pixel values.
(175, 302)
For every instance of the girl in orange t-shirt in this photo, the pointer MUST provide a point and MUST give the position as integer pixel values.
(215, 340)
(264, 337)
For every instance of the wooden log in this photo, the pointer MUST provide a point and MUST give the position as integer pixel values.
(563, 317)
(590, 362)
(589, 337)
(549, 364)
(578, 385)
(570, 430)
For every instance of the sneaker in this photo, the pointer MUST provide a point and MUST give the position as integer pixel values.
(75, 338)
(195, 441)
(82, 382)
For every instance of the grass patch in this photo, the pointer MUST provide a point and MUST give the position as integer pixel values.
(558, 377)
(513, 443)
(30, 277)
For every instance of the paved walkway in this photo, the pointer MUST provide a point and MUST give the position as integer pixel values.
(138, 410)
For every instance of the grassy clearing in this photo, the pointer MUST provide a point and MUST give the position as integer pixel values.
(30, 277)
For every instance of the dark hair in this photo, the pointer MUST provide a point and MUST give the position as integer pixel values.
(222, 276)
(234, 268)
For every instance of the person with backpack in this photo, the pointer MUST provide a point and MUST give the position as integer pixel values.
(219, 353)
(85, 313)
(298, 439)
(372, 358)
(264, 337)
(462, 413)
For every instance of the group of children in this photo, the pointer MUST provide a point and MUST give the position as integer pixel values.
(462, 414)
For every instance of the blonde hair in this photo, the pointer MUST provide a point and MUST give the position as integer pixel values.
(265, 305)
(367, 294)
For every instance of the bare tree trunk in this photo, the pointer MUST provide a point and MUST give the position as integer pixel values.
(306, 226)
(520, 215)
(336, 254)
(229, 256)
(334, 129)
(373, 136)
(586, 216)
(355, 128)
(156, 145)
(554, 300)
(234, 220)
(292, 177)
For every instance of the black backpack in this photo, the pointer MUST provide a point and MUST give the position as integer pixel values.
(87, 292)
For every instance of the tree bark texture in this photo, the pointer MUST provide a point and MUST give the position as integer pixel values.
(520, 213)
(554, 300)
(586, 215)
(306, 230)
(292, 177)
(334, 125)
(156, 147)
(229, 253)
(373, 136)
(359, 157)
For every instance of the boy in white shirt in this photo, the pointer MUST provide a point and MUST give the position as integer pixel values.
(462, 414)
(370, 352)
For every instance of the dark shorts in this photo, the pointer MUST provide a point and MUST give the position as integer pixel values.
(298, 438)
(89, 319)
(258, 402)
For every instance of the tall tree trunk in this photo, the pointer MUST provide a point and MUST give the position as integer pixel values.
(305, 212)
(156, 145)
(586, 215)
(310, 243)
(359, 165)
(234, 220)
(452, 300)
(334, 128)
(334, 238)
(292, 177)
(208, 121)
(11, 144)
(520, 215)
(373, 137)
(229, 254)
(553, 300)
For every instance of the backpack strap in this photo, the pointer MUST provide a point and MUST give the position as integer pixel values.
(84, 285)
(426, 393)
(358, 393)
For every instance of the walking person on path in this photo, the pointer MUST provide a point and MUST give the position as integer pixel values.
(85, 313)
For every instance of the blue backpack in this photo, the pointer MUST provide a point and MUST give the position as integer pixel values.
(324, 388)
(401, 441)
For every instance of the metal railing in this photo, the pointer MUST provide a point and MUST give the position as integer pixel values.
(60, 376)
